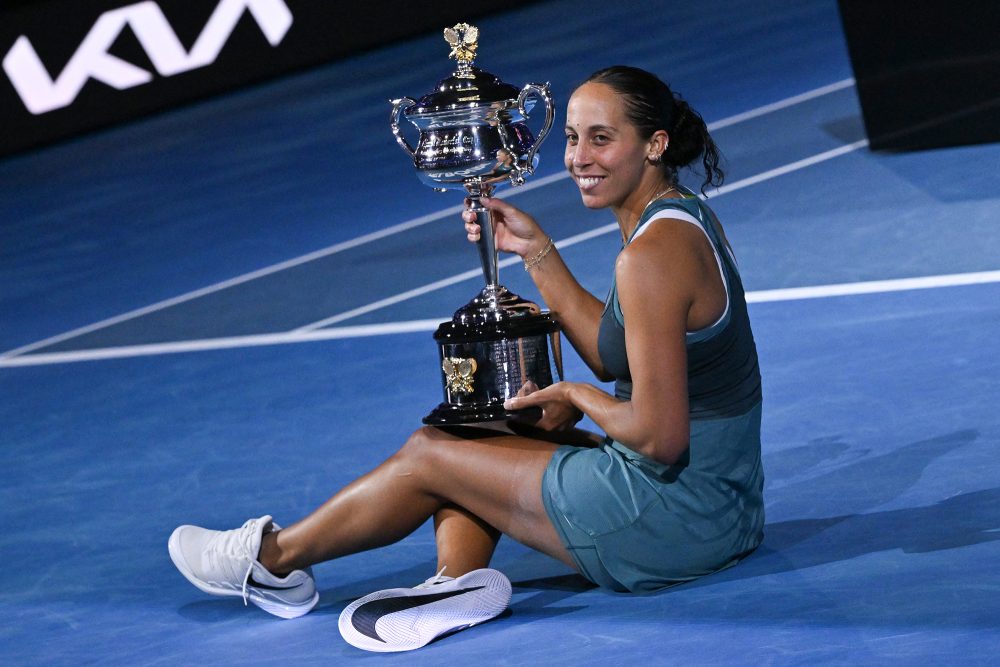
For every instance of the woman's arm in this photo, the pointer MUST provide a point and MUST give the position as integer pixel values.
(660, 277)
(656, 280)
(578, 311)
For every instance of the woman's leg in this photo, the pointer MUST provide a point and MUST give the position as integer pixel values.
(497, 479)
(464, 541)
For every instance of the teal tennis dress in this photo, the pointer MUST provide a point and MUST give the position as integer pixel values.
(634, 524)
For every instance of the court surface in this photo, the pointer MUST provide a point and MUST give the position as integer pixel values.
(226, 311)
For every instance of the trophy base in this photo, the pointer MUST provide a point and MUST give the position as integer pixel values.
(448, 414)
(494, 348)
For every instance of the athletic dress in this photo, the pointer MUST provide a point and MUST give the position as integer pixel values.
(634, 524)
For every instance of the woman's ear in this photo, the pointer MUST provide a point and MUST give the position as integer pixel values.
(658, 143)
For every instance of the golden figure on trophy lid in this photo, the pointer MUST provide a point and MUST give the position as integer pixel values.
(464, 40)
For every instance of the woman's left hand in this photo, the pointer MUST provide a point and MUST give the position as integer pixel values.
(558, 412)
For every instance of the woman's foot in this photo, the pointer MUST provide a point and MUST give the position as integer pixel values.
(225, 563)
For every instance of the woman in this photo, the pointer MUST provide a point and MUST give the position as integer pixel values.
(674, 490)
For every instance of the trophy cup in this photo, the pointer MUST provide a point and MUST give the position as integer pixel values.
(472, 136)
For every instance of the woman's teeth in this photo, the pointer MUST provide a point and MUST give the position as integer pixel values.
(587, 182)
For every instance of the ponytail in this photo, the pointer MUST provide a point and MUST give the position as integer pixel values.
(690, 139)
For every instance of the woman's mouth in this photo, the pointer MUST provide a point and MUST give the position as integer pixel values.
(588, 182)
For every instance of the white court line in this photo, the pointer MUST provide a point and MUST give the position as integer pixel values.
(315, 331)
(413, 326)
(781, 104)
(789, 168)
(440, 284)
(246, 277)
(873, 287)
(388, 231)
(126, 351)
(573, 240)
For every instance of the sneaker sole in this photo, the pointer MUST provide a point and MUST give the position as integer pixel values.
(277, 608)
(486, 594)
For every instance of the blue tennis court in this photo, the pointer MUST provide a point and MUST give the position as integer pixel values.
(226, 311)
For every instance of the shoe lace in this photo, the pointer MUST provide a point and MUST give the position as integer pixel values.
(436, 579)
(232, 549)
(246, 584)
(245, 539)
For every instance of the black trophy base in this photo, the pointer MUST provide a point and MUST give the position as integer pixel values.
(449, 414)
(491, 350)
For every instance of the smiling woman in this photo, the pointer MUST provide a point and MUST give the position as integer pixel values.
(682, 449)
(673, 491)
(628, 98)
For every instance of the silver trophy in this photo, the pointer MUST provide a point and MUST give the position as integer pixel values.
(473, 135)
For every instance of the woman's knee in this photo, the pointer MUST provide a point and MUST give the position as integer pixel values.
(422, 446)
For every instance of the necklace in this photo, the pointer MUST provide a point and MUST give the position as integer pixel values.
(655, 197)
(648, 204)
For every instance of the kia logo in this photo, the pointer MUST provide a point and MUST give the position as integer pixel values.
(42, 93)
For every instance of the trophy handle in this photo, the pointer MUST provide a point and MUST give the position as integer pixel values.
(398, 107)
(526, 166)
(542, 90)
(557, 358)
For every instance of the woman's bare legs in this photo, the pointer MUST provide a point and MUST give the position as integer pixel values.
(496, 480)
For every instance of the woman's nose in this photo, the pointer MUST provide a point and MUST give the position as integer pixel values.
(580, 155)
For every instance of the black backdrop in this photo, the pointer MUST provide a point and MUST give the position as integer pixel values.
(927, 71)
(321, 30)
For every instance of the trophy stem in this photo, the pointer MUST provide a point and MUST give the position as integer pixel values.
(487, 237)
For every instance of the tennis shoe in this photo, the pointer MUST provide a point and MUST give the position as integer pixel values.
(402, 619)
(225, 563)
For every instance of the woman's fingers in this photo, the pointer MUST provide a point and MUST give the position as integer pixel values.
(528, 387)
(471, 227)
(523, 401)
(517, 402)
(472, 230)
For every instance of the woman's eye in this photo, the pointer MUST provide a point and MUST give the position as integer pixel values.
(600, 139)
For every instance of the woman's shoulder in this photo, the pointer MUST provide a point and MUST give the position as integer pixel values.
(668, 219)
(672, 247)
(668, 247)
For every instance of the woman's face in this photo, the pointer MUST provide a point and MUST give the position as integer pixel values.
(604, 153)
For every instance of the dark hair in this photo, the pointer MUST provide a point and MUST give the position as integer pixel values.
(652, 106)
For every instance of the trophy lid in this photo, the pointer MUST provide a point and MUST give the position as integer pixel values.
(468, 86)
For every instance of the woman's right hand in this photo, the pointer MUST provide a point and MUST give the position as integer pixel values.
(516, 231)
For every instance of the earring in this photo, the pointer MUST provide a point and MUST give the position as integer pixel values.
(655, 158)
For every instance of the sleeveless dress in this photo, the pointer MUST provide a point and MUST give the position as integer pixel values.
(634, 524)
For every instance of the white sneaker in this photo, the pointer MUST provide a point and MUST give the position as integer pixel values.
(402, 619)
(225, 563)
